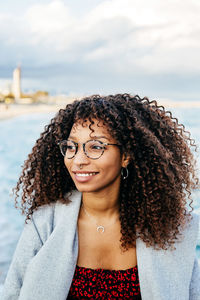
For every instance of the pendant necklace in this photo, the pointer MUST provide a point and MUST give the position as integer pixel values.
(99, 228)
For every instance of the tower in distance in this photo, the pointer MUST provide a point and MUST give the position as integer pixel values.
(16, 85)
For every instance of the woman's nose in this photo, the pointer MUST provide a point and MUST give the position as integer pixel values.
(80, 156)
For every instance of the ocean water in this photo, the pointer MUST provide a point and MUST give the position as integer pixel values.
(17, 137)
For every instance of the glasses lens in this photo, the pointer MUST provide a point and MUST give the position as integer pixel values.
(94, 149)
(68, 148)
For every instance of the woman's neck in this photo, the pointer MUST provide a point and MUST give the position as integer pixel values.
(102, 204)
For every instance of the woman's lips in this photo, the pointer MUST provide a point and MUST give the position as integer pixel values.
(84, 176)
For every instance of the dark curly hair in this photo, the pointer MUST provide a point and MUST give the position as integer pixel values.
(153, 199)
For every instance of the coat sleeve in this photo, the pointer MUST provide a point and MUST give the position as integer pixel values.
(195, 282)
(27, 247)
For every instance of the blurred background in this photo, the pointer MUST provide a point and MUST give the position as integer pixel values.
(53, 51)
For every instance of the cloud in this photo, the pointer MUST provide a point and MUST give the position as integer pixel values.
(121, 36)
(48, 21)
(150, 36)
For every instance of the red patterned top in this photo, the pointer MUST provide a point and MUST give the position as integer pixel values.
(105, 284)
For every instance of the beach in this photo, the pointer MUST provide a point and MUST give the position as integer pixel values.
(14, 110)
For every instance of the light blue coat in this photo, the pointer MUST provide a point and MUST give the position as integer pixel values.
(45, 259)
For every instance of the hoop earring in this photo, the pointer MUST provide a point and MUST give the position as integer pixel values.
(124, 176)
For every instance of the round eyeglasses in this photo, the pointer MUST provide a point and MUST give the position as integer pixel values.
(93, 148)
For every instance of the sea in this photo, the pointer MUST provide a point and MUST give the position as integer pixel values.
(17, 137)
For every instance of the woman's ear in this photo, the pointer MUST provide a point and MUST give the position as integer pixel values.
(125, 160)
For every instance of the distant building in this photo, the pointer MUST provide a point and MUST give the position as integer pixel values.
(16, 85)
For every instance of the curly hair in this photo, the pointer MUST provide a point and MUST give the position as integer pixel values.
(153, 199)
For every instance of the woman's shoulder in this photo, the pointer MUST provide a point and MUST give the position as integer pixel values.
(192, 228)
(187, 240)
(189, 235)
(47, 211)
(48, 216)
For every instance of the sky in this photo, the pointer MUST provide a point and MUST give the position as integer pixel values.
(150, 48)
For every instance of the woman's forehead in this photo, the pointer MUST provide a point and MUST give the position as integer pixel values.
(93, 128)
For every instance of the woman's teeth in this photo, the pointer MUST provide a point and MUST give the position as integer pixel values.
(85, 174)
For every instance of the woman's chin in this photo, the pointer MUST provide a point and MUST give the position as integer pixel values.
(85, 188)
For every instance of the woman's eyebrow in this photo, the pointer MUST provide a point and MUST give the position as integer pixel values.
(100, 137)
(92, 137)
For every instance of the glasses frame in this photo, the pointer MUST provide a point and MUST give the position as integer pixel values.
(83, 145)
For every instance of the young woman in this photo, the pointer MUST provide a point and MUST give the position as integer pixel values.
(105, 191)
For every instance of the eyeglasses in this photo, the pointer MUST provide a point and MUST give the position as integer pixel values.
(93, 149)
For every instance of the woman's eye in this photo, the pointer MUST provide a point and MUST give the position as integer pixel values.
(97, 147)
(71, 148)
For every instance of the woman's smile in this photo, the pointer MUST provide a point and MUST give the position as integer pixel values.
(84, 176)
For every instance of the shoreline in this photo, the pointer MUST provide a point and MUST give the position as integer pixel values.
(14, 110)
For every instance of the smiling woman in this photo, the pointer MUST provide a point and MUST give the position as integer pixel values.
(106, 191)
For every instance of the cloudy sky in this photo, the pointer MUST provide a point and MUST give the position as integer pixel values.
(151, 48)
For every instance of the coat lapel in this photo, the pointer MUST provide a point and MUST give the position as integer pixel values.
(166, 274)
(56, 260)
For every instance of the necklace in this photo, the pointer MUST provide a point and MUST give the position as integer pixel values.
(99, 228)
